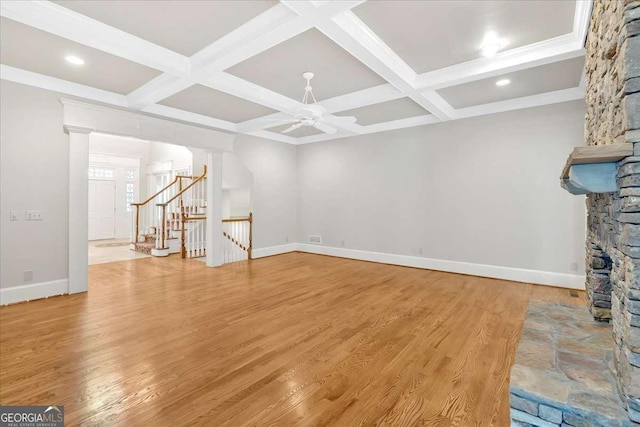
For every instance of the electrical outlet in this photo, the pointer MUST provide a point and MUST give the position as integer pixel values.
(419, 251)
(27, 275)
(342, 243)
(33, 215)
(14, 216)
(286, 239)
(574, 266)
(315, 239)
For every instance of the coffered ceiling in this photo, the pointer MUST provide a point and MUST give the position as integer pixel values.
(237, 65)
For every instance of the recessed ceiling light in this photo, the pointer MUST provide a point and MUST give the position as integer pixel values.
(492, 44)
(74, 60)
(503, 82)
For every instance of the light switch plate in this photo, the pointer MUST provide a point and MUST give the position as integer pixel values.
(33, 215)
(14, 216)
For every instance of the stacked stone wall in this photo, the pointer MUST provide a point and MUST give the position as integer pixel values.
(612, 77)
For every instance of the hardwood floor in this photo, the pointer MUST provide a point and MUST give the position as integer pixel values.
(295, 339)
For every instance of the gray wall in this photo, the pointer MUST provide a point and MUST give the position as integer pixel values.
(34, 174)
(274, 195)
(482, 190)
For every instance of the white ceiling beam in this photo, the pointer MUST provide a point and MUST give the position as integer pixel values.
(540, 99)
(63, 22)
(362, 98)
(426, 119)
(353, 35)
(533, 55)
(259, 34)
(158, 89)
(236, 86)
(25, 77)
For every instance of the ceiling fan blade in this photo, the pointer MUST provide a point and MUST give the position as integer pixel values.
(278, 120)
(339, 120)
(294, 127)
(325, 128)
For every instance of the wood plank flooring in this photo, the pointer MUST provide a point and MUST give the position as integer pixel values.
(295, 339)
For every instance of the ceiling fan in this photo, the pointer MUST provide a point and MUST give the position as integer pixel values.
(312, 114)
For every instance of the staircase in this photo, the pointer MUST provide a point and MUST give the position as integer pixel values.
(164, 223)
(174, 221)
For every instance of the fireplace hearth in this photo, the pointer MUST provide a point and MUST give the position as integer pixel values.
(586, 363)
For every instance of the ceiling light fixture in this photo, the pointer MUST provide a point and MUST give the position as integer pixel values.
(492, 44)
(503, 82)
(74, 60)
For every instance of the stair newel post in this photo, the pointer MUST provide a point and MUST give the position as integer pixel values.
(164, 224)
(183, 249)
(137, 229)
(250, 235)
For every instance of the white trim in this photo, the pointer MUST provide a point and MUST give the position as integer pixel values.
(538, 100)
(63, 22)
(18, 75)
(521, 58)
(272, 27)
(97, 118)
(538, 277)
(273, 250)
(581, 20)
(33, 291)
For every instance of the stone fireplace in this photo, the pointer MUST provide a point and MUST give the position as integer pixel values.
(598, 383)
(613, 218)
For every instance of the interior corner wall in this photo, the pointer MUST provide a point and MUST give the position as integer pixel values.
(34, 175)
(482, 191)
(274, 193)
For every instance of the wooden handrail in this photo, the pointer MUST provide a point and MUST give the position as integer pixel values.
(248, 219)
(194, 182)
(158, 193)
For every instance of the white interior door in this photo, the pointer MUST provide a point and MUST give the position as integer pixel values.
(102, 219)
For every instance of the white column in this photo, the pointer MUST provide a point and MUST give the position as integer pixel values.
(214, 209)
(78, 209)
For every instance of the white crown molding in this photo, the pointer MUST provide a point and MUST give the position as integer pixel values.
(274, 136)
(581, 20)
(63, 22)
(25, 77)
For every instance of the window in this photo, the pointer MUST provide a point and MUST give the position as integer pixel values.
(101, 173)
(130, 196)
(183, 172)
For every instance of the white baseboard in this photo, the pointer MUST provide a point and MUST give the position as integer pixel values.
(274, 250)
(538, 277)
(33, 291)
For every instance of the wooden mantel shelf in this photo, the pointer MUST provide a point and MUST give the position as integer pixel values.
(593, 169)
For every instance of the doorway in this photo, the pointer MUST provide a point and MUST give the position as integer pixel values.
(102, 204)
